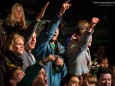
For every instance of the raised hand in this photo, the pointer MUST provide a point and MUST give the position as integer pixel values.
(42, 12)
(94, 21)
(65, 6)
(51, 57)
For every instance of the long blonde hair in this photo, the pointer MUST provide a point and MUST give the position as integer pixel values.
(10, 20)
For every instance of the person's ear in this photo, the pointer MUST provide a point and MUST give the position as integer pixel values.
(12, 81)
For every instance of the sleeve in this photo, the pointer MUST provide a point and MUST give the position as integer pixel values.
(47, 33)
(74, 49)
(64, 71)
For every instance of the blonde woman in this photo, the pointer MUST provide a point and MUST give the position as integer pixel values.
(11, 60)
(16, 23)
(14, 48)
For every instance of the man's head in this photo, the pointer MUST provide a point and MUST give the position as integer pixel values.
(104, 77)
(32, 42)
(54, 37)
(78, 34)
(56, 33)
(41, 79)
(70, 80)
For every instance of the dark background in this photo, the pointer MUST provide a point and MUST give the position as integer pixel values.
(80, 9)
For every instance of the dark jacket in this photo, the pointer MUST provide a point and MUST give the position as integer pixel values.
(7, 30)
(8, 57)
(2, 38)
(30, 75)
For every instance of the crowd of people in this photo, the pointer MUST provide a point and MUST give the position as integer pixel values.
(30, 59)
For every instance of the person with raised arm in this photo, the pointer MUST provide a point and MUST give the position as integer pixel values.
(78, 58)
(47, 44)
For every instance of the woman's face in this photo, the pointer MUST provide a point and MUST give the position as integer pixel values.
(18, 14)
(104, 63)
(18, 46)
(74, 81)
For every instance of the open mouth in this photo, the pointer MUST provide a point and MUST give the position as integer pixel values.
(45, 82)
(32, 43)
(54, 35)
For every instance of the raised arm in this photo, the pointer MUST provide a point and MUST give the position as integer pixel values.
(93, 22)
(42, 12)
(65, 6)
(51, 27)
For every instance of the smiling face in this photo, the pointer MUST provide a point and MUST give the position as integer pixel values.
(32, 42)
(105, 80)
(18, 46)
(104, 63)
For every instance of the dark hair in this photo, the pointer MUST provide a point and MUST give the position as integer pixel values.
(60, 26)
(67, 78)
(103, 71)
